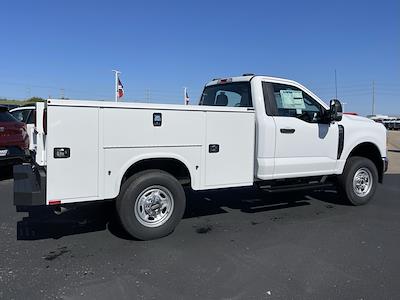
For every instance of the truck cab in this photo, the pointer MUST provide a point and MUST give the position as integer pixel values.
(296, 134)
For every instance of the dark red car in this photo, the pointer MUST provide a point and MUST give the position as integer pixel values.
(14, 140)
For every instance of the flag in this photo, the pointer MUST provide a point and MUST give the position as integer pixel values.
(120, 89)
(186, 98)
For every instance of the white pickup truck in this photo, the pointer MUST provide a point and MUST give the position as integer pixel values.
(249, 130)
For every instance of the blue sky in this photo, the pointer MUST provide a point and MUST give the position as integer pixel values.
(162, 46)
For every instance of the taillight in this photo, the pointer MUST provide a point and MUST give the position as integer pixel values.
(20, 127)
(45, 121)
(224, 80)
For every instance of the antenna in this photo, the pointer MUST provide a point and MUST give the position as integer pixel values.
(343, 104)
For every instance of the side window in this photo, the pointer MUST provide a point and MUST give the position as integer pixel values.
(31, 118)
(293, 102)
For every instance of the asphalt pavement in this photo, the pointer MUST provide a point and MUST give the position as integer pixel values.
(234, 244)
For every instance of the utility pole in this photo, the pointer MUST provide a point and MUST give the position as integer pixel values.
(28, 93)
(373, 97)
(147, 95)
(62, 93)
(335, 84)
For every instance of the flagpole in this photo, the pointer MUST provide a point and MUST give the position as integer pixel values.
(116, 84)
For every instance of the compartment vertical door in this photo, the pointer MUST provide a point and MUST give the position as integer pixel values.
(229, 149)
(76, 128)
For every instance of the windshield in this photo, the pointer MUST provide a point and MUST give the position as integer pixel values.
(230, 94)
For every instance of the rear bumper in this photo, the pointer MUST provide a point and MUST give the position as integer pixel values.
(29, 185)
(14, 155)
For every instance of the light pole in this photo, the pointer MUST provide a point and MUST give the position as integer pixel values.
(116, 84)
(373, 97)
(335, 84)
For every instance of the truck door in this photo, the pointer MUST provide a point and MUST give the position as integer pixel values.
(305, 144)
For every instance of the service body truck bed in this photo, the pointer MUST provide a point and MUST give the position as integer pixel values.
(106, 139)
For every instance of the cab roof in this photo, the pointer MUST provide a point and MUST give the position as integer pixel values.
(248, 77)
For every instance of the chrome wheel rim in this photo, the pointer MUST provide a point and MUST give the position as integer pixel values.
(154, 206)
(362, 182)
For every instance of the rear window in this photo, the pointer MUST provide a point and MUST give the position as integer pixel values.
(235, 94)
(5, 116)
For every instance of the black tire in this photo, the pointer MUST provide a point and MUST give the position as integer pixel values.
(129, 208)
(345, 181)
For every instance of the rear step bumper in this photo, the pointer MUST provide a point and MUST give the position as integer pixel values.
(29, 185)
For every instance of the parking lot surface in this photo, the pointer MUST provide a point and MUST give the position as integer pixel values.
(237, 244)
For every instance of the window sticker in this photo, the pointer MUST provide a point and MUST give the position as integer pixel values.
(292, 99)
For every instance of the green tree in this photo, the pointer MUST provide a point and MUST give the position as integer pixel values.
(35, 99)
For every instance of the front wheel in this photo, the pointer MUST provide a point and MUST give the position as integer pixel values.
(359, 180)
(151, 204)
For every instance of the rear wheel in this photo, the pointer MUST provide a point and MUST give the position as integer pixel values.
(359, 180)
(151, 204)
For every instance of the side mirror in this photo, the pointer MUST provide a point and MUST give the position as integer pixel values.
(335, 110)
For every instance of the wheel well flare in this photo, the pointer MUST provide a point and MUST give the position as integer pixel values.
(171, 165)
(370, 151)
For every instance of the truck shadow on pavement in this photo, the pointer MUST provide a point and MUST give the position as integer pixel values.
(43, 223)
(6, 173)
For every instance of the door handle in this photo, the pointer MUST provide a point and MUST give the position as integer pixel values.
(287, 130)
